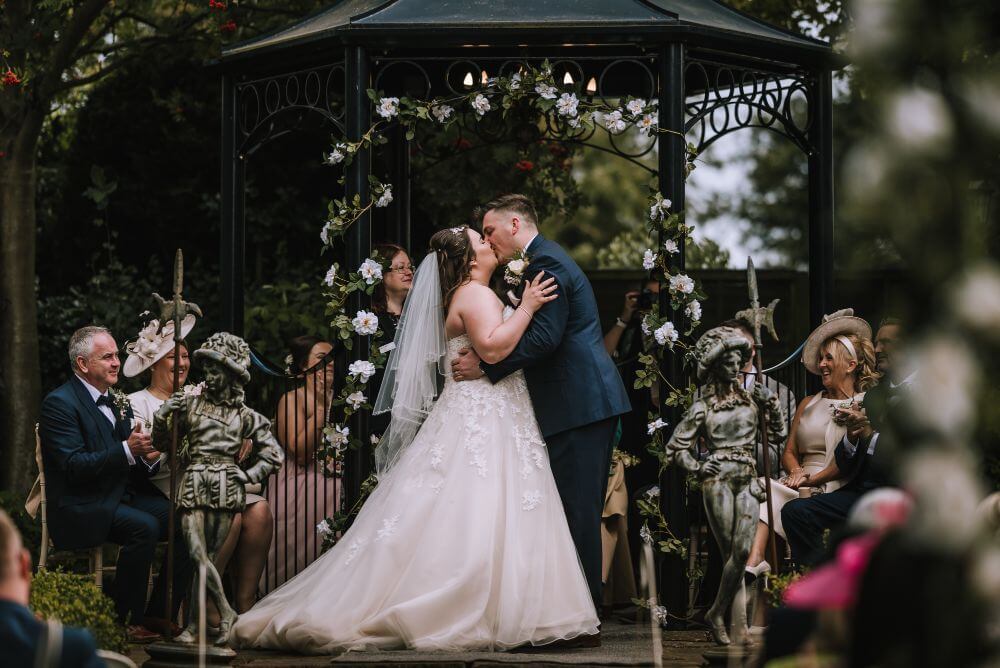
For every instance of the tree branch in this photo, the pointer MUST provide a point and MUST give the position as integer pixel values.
(82, 19)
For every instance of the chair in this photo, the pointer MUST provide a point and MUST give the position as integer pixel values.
(37, 500)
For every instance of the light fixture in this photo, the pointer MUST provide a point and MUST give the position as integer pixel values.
(592, 86)
(486, 78)
(467, 82)
(568, 79)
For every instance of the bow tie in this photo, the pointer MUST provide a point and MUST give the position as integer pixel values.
(105, 400)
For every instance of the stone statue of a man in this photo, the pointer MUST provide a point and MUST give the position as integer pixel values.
(727, 417)
(211, 489)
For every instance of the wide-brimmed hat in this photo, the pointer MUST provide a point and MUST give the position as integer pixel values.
(837, 323)
(230, 351)
(714, 343)
(150, 347)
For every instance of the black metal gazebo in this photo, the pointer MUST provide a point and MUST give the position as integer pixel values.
(714, 70)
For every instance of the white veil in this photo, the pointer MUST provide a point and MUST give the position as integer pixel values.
(410, 384)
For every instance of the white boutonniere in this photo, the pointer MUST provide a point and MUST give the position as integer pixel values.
(121, 402)
(513, 273)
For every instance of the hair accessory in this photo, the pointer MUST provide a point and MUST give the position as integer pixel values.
(847, 344)
(457, 231)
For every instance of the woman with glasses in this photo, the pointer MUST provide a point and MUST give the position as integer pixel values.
(387, 303)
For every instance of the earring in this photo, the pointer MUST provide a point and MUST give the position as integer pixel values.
(473, 263)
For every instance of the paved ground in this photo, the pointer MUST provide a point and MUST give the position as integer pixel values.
(622, 645)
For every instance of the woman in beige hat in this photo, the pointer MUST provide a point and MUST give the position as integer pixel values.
(250, 534)
(840, 352)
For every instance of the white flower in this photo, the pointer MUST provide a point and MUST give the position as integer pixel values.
(693, 310)
(671, 246)
(659, 208)
(385, 198)
(659, 614)
(331, 275)
(546, 91)
(645, 534)
(356, 399)
(647, 124)
(566, 106)
(613, 122)
(636, 106)
(441, 112)
(574, 122)
(644, 326)
(324, 528)
(365, 323)
(481, 104)
(651, 428)
(516, 267)
(515, 81)
(337, 437)
(666, 334)
(361, 369)
(388, 107)
(919, 119)
(324, 234)
(371, 271)
(289, 360)
(682, 283)
(653, 492)
(336, 156)
(194, 390)
(648, 259)
(374, 439)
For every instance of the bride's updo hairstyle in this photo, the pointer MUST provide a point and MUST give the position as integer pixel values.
(454, 259)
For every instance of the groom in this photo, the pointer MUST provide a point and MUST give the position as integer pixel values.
(575, 389)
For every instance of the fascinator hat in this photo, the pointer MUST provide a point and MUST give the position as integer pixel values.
(836, 325)
(150, 347)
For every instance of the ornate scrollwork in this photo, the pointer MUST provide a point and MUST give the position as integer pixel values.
(269, 107)
(724, 98)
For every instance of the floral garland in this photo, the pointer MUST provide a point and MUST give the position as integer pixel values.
(572, 114)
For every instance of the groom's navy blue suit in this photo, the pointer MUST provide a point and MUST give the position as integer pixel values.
(577, 393)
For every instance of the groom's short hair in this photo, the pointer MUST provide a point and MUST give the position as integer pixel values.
(514, 203)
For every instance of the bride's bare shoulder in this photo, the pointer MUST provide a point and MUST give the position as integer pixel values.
(475, 295)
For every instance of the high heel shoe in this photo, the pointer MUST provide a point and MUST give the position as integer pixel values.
(753, 572)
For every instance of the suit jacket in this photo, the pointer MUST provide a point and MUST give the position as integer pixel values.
(20, 635)
(86, 469)
(866, 470)
(571, 378)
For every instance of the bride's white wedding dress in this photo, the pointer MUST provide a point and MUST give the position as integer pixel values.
(463, 544)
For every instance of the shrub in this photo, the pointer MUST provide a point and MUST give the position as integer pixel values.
(76, 601)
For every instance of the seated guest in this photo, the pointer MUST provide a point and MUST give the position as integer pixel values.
(786, 401)
(866, 425)
(301, 494)
(387, 303)
(97, 469)
(841, 353)
(24, 639)
(617, 578)
(250, 532)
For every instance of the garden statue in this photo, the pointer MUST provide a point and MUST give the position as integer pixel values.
(726, 416)
(214, 423)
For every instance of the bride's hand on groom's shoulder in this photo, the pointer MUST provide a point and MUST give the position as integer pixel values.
(539, 292)
(465, 366)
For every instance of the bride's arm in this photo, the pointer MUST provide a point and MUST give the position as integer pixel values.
(493, 338)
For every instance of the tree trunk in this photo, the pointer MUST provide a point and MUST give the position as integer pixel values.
(20, 382)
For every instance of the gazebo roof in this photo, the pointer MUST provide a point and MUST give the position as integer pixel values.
(441, 22)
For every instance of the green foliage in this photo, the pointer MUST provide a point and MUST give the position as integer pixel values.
(277, 311)
(76, 601)
(30, 529)
(775, 585)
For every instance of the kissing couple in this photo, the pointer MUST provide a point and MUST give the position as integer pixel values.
(484, 529)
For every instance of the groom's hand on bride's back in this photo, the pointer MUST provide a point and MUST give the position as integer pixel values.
(465, 366)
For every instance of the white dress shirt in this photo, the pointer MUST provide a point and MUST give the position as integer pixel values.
(95, 394)
(530, 241)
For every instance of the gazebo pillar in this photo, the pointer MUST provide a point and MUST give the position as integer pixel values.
(821, 197)
(231, 242)
(671, 161)
(358, 116)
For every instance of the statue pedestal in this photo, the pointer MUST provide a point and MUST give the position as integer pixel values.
(182, 655)
(730, 655)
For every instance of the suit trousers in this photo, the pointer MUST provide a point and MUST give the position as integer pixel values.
(139, 523)
(805, 520)
(581, 459)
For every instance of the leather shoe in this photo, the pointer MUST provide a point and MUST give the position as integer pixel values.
(140, 634)
(161, 626)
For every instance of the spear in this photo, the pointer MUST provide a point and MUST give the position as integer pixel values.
(758, 316)
(173, 310)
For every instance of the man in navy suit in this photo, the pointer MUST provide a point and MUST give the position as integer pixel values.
(574, 386)
(97, 470)
(21, 634)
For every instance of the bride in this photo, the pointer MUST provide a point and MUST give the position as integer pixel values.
(464, 543)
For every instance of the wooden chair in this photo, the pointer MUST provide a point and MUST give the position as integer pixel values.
(37, 495)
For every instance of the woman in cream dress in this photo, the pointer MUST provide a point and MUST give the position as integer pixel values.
(840, 352)
(250, 534)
